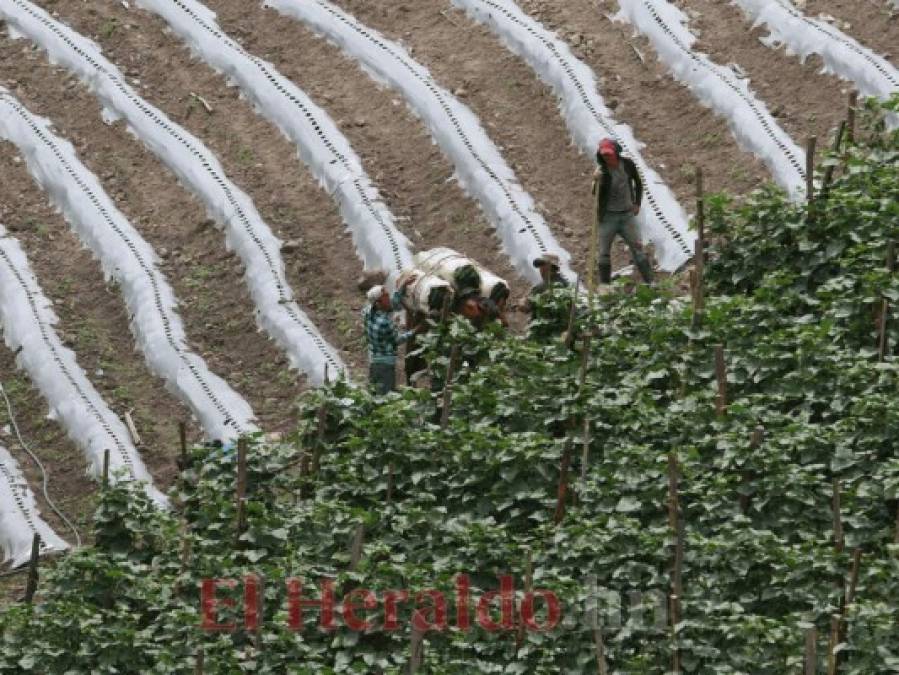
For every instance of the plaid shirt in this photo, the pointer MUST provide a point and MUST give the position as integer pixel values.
(380, 333)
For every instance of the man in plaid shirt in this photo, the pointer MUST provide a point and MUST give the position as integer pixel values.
(382, 335)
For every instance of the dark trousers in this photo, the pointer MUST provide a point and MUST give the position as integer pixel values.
(382, 376)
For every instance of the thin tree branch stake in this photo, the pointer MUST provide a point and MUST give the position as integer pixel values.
(132, 429)
(528, 588)
(356, 545)
(241, 487)
(676, 582)
(182, 438)
(416, 650)
(31, 584)
(562, 491)
(201, 661)
(721, 377)
(105, 482)
(828, 172)
(390, 482)
(832, 660)
(850, 118)
(811, 651)
(322, 420)
(448, 387)
(601, 667)
(202, 102)
(569, 334)
(810, 172)
(882, 342)
(585, 451)
(891, 257)
(838, 541)
(700, 206)
(755, 442)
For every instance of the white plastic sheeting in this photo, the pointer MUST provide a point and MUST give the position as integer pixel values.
(842, 55)
(200, 171)
(19, 518)
(720, 89)
(130, 260)
(480, 167)
(662, 219)
(320, 143)
(28, 320)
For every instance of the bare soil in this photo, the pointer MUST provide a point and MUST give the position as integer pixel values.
(518, 112)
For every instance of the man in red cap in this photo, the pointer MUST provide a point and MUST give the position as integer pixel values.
(618, 191)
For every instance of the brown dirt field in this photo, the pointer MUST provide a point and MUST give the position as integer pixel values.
(518, 112)
(873, 23)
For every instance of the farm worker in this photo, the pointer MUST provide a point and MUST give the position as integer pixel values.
(549, 267)
(619, 191)
(382, 335)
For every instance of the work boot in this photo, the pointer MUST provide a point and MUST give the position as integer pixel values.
(645, 268)
(605, 273)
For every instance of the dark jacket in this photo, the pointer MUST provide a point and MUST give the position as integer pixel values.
(602, 186)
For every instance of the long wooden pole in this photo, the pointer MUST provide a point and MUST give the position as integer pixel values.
(835, 149)
(676, 580)
(810, 172)
(850, 118)
(31, 584)
(182, 440)
(105, 468)
(882, 342)
(721, 377)
(811, 649)
(562, 491)
(241, 487)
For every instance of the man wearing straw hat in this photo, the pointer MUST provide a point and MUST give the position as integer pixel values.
(382, 335)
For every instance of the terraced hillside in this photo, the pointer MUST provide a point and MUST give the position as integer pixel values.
(297, 143)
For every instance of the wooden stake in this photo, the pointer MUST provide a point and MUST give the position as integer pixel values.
(601, 667)
(390, 482)
(896, 537)
(132, 428)
(853, 577)
(241, 487)
(700, 208)
(698, 291)
(882, 338)
(585, 451)
(838, 542)
(31, 584)
(721, 377)
(585, 364)
(356, 546)
(322, 420)
(569, 334)
(676, 582)
(891, 257)
(448, 387)
(810, 171)
(528, 588)
(182, 438)
(327, 377)
(811, 651)
(105, 482)
(241, 518)
(832, 661)
(828, 172)
(755, 442)
(850, 118)
(416, 650)
(563, 482)
(201, 660)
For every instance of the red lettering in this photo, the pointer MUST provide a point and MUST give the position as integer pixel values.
(436, 610)
(295, 605)
(506, 595)
(209, 604)
(463, 595)
(369, 601)
(553, 610)
(391, 598)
